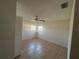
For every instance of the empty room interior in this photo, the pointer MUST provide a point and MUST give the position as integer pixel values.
(42, 29)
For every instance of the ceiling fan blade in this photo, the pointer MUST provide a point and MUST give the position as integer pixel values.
(42, 20)
(37, 19)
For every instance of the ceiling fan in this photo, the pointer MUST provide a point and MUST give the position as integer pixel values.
(37, 19)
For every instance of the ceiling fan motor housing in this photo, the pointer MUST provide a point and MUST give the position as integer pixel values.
(37, 19)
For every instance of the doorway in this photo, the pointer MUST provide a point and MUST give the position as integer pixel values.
(53, 34)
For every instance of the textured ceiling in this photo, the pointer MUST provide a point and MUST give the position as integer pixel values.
(45, 9)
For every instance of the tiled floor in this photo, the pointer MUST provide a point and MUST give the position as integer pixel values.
(41, 49)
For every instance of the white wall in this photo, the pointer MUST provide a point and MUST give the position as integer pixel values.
(71, 29)
(74, 53)
(23, 10)
(56, 32)
(28, 32)
(1, 32)
(18, 35)
(49, 12)
(7, 22)
(59, 27)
